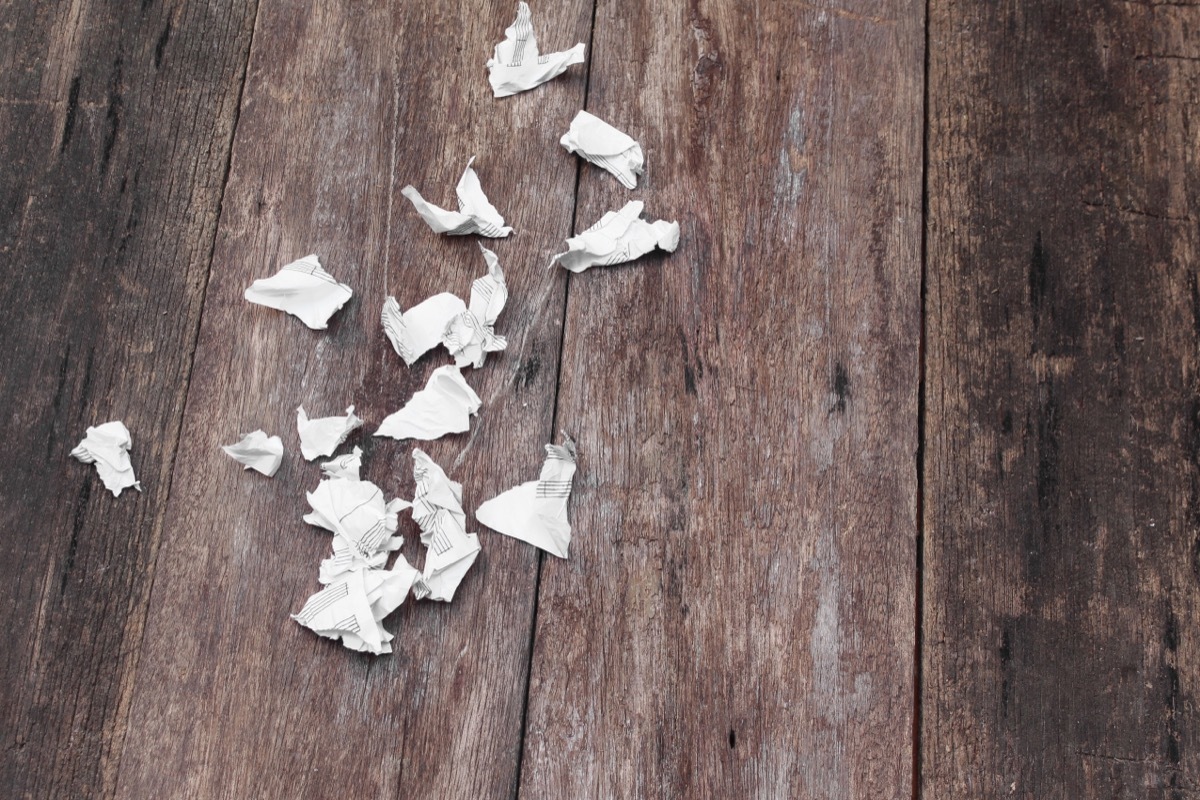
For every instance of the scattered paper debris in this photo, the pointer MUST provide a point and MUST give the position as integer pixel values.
(420, 329)
(107, 446)
(618, 237)
(257, 451)
(303, 290)
(352, 608)
(363, 525)
(475, 214)
(536, 511)
(450, 550)
(471, 335)
(608, 148)
(516, 65)
(344, 467)
(444, 406)
(320, 437)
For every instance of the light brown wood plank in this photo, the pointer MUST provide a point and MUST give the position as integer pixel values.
(736, 618)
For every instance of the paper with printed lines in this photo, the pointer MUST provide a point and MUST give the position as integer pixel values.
(536, 511)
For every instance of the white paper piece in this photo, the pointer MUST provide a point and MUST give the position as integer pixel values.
(444, 406)
(618, 237)
(353, 607)
(363, 525)
(450, 550)
(343, 467)
(475, 214)
(536, 511)
(608, 148)
(516, 65)
(419, 329)
(320, 437)
(471, 335)
(302, 289)
(107, 446)
(257, 451)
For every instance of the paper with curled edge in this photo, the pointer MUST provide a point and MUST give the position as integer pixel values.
(471, 335)
(475, 213)
(107, 446)
(608, 148)
(536, 511)
(618, 237)
(303, 290)
(320, 437)
(344, 467)
(444, 406)
(353, 606)
(516, 65)
(257, 451)
(418, 330)
(450, 550)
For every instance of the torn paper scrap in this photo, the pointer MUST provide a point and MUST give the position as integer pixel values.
(444, 406)
(516, 65)
(363, 525)
(107, 446)
(320, 437)
(475, 214)
(353, 607)
(618, 237)
(343, 467)
(257, 451)
(450, 550)
(302, 289)
(536, 511)
(608, 148)
(471, 335)
(419, 329)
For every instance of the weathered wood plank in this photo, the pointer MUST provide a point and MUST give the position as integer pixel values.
(1063, 480)
(116, 122)
(737, 615)
(343, 106)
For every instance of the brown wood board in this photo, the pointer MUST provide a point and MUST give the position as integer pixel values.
(1062, 476)
(116, 122)
(737, 615)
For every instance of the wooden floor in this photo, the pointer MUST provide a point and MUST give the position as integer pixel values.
(890, 476)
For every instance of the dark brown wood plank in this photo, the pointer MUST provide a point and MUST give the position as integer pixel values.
(116, 122)
(1063, 460)
(343, 107)
(737, 615)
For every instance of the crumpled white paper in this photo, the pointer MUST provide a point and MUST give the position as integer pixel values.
(419, 329)
(475, 214)
(343, 467)
(302, 289)
(471, 335)
(257, 451)
(444, 406)
(353, 606)
(363, 525)
(450, 550)
(608, 148)
(107, 446)
(516, 64)
(536, 511)
(320, 437)
(618, 237)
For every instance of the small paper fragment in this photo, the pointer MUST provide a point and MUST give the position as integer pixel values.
(420, 329)
(536, 511)
(608, 148)
(618, 237)
(257, 451)
(444, 406)
(352, 608)
(450, 550)
(471, 335)
(475, 213)
(303, 290)
(320, 437)
(344, 467)
(107, 446)
(516, 65)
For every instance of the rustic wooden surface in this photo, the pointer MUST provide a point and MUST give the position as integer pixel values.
(789, 578)
(1062, 467)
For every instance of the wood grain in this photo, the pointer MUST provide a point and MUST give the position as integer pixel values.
(1063, 469)
(737, 615)
(116, 121)
(343, 106)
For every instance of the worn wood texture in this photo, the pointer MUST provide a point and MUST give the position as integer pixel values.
(344, 105)
(737, 615)
(1063, 448)
(116, 121)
